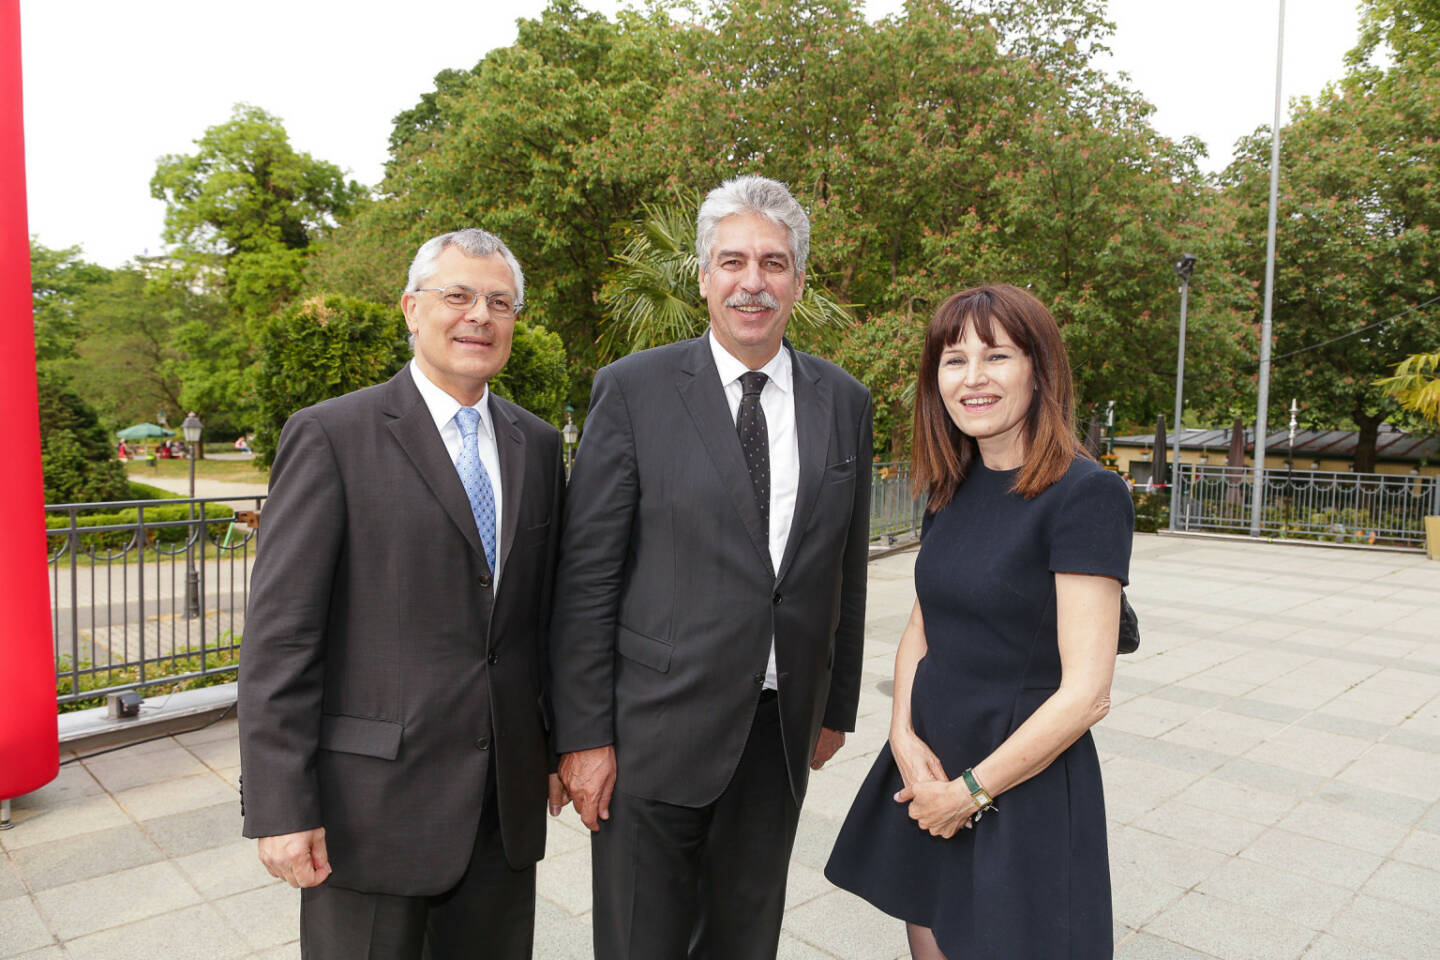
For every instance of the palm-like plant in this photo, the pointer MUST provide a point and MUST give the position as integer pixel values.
(652, 297)
(1416, 385)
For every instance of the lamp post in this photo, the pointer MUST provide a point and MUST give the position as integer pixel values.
(192, 428)
(571, 436)
(1290, 462)
(1184, 267)
(1110, 427)
(1257, 498)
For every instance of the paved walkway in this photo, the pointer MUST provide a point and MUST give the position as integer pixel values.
(1272, 767)
(204, 486)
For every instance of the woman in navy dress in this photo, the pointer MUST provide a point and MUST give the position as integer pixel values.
(982, 822)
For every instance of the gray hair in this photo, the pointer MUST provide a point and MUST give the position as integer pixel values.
(474, 242)
(757, 195)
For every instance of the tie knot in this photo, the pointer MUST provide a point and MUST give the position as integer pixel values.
(468, 420)
(752, 382)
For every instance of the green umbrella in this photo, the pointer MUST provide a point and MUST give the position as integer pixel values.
(144, 431)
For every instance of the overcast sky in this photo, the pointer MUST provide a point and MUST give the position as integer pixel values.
(110, 87)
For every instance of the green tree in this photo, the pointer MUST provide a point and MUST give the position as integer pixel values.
(317, 349)
(129, 356)
(244, 211)
(58, 278)
(653, 295)
(1355, 255)
(537, 374)
(330, 344)
(248, 204)
(76, 456)
(907, 140)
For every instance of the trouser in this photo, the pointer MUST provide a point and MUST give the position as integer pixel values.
(488, 915)
(708, 882)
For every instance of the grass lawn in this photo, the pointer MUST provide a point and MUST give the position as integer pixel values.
(241, 471)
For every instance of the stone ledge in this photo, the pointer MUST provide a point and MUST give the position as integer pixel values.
(161, 715)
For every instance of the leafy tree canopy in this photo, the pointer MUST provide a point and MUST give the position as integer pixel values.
(956, 143)
(75, 454)
(1355, 250)
(58, 278)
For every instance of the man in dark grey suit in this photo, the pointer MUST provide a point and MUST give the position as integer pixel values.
(707, 636)
(392, 707)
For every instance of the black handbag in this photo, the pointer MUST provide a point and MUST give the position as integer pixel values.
(1129, 627)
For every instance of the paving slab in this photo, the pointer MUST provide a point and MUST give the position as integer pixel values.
(1271, 766)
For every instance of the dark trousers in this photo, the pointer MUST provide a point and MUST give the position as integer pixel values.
(488, 915)
(706, 883)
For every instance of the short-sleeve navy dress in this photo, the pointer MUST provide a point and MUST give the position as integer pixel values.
(1032, 879)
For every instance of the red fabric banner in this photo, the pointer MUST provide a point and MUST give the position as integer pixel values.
(29, 745)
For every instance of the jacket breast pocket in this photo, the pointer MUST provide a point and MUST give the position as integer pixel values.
(367, 736)
(646, 651)
(842, 471)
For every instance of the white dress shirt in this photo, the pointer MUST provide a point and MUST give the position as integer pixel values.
(777, 399)
(443, 408)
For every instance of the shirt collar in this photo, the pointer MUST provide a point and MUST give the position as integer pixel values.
(443, 407)
(778, 369)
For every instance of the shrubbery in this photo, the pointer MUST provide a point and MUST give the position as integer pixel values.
(331, 344)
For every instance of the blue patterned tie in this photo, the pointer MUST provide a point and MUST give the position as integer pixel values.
(476, 480)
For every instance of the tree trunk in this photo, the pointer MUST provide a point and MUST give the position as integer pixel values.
(1369, 425)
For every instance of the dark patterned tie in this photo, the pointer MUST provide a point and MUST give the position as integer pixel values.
(755, 442)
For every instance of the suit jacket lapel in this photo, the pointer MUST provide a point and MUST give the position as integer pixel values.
(510, 444)
(812, 432)
(699, 384)
(415, 431)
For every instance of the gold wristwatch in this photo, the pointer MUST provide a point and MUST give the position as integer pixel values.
(984, 803)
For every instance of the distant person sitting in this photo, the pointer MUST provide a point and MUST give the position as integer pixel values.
(242, 444)
(122, 452)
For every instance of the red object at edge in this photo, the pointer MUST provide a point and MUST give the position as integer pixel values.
(29, 739)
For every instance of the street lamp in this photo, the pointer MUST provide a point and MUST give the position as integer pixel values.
(192, 428)
(1290, 462)
(570, 435)
(1110, 427)
(1184, 267)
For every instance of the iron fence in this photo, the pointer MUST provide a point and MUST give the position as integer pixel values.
(1371, 509)
(151, 591)
(894, 512)
(147, 590)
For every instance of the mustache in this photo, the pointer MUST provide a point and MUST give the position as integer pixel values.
(760, 299)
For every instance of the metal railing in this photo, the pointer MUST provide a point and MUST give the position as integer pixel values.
(146, 590)
(155, 598)
(894, 512)
(1370, 509)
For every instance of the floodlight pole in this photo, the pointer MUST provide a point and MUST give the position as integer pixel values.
(1184, 267)
(1257, 499)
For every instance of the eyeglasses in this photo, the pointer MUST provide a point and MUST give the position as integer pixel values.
(458, 296)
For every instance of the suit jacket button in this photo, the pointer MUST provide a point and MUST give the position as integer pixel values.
(776, 599)
(493, 658)
(482, 743)
(485, 580)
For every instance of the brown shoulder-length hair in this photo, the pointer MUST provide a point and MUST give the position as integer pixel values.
(943, 456)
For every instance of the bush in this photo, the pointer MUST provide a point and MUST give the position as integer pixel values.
(143, 491)
(883, 353)
(1152, 510)
(57, 523)
(323, 347)
(330, 345)
(75, 454)
(537, 376)
(222, 661)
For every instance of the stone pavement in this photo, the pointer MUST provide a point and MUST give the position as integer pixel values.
(1272, 768)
